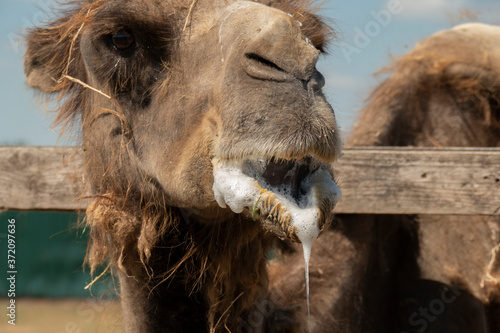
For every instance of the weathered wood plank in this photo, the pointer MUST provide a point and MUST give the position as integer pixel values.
(39, 178)
(419, 181)
(373, 180)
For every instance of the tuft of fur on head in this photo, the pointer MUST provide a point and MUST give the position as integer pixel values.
(315, 27)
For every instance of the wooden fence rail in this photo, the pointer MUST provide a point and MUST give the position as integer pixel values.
(373, 180)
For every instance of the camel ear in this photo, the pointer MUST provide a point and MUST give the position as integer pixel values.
(44, 59)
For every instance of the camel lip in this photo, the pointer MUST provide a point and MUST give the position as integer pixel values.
(290, 178)
(240, 152)
(284, 195)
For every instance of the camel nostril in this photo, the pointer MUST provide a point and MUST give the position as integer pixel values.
(317, 81)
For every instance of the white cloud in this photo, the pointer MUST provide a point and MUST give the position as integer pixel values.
(429, 9)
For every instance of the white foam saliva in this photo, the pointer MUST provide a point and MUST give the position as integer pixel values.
(305, 220)
(234, 188)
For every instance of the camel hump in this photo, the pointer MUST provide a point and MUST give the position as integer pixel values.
(476, 27)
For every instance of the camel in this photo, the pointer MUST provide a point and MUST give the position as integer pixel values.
(205, 139)
(424, 273)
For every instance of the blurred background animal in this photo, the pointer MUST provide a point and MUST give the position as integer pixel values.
(426, 273)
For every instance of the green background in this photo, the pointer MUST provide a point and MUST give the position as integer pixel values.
(50, 251)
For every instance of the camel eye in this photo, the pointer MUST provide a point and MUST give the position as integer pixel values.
(122, 40)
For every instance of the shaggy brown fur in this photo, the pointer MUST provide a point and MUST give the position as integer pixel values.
(384, 273)
(160, 88)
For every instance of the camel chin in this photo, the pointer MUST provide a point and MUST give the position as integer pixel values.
(291, 198)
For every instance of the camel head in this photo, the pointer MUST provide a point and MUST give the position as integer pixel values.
(210, 106)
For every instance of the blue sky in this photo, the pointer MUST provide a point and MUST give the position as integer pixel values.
(369, 32)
